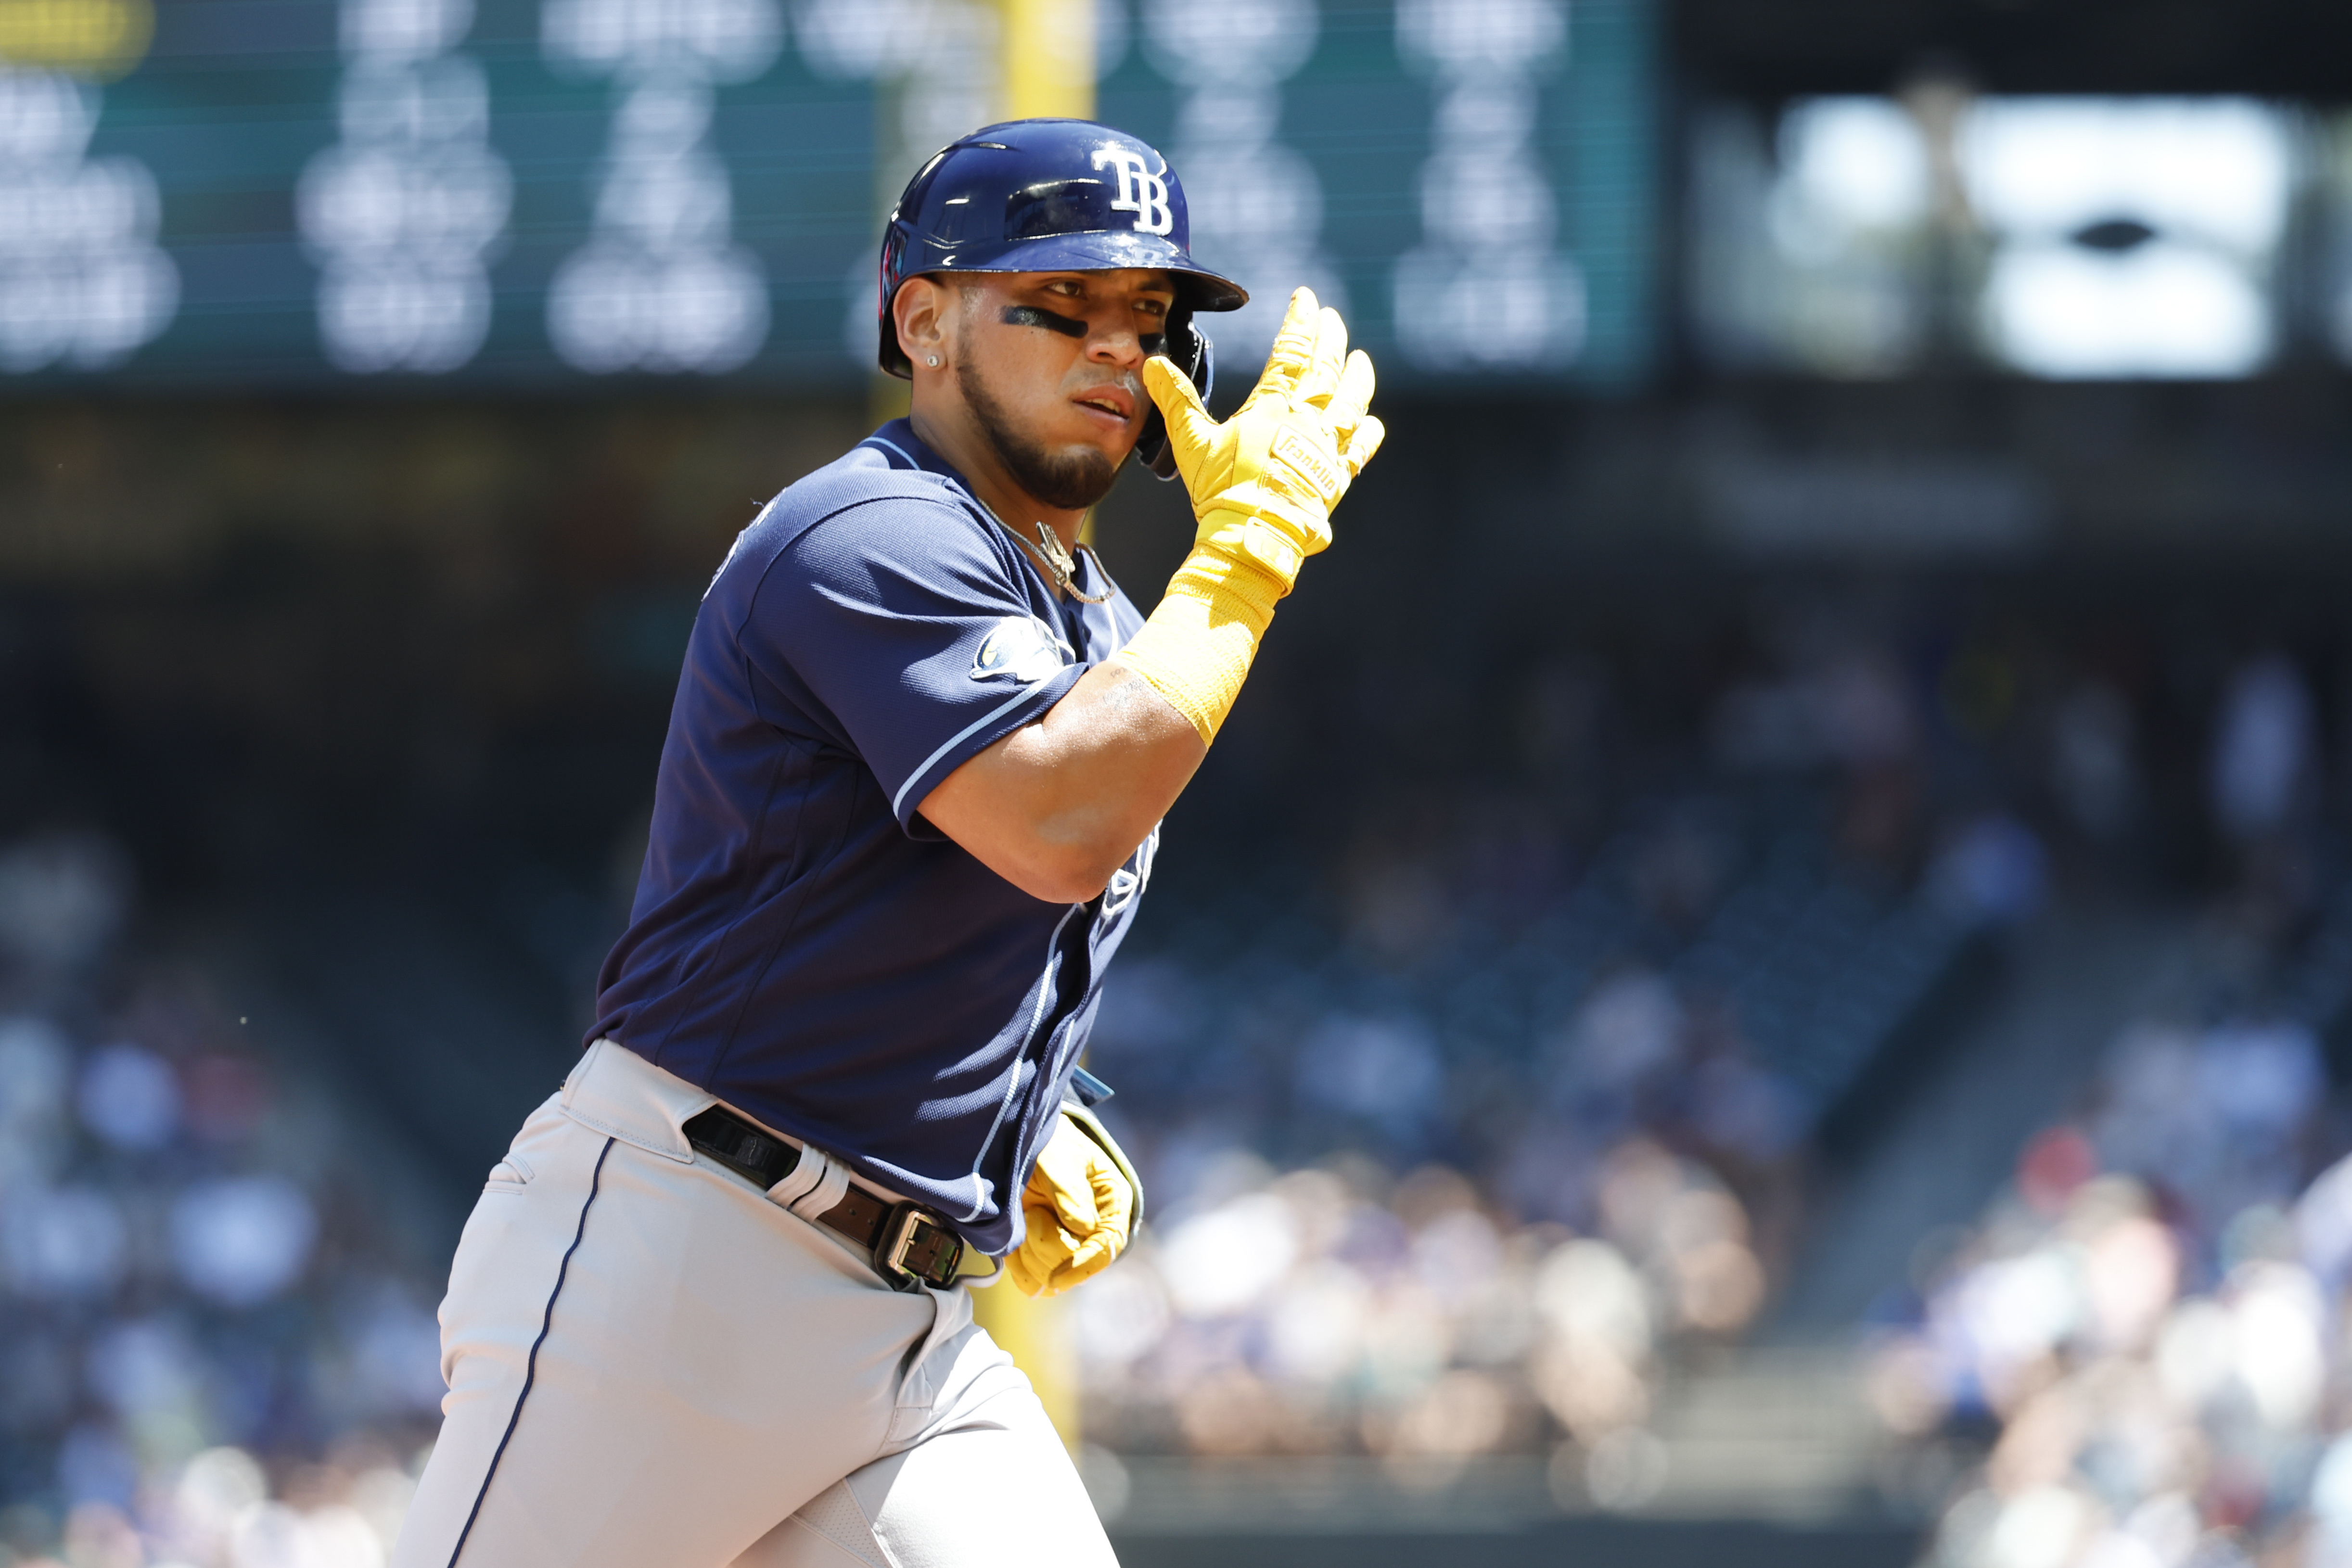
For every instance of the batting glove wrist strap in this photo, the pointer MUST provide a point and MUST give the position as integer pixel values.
(1196, 649)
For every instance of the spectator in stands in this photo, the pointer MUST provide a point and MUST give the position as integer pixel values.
(2262, 783)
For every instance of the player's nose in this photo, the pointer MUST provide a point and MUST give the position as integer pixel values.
(1116, 344)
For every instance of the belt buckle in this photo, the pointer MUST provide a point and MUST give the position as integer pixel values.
(899, 1239)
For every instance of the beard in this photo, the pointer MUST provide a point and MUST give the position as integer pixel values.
(1070, 481)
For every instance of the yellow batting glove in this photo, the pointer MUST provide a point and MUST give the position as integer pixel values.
(1080, 1206)
(1263, 484)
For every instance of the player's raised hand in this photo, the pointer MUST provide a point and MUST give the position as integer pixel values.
(1263, 483)
(1308, 334)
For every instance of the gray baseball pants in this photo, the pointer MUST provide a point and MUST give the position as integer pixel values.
(652, 1364)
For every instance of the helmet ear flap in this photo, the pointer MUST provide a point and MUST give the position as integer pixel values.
(891, 274)
(1190, 350)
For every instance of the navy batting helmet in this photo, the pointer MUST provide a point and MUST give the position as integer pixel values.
(1055, 195)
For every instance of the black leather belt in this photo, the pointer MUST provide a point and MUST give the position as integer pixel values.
(913, 1247)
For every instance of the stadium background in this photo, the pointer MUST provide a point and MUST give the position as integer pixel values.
(1762, 969)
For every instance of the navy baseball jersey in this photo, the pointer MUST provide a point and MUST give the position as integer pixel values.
(803, 943)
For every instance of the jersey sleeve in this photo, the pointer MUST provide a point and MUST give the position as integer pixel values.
(900, 621)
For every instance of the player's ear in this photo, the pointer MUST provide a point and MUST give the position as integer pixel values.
(921, 311)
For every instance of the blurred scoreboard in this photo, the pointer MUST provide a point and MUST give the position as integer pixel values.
(268, 194)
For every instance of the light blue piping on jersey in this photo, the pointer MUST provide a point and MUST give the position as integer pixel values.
(949, 478)
(1044, 990)
(1024, 695)
(877, 441)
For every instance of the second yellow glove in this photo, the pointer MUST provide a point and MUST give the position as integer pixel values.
(1080, 1206)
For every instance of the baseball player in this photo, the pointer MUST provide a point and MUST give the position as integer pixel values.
(711, 1308)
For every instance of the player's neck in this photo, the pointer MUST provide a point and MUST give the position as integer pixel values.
(968, 452)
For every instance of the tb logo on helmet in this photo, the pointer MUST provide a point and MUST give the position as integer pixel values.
(1144, 194)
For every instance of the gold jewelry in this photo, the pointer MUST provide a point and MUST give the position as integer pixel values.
(1059, 563)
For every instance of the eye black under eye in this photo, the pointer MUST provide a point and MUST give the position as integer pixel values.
(1031, 316)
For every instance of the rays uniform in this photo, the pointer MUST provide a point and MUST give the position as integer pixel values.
(655, 1354)
(803, 945)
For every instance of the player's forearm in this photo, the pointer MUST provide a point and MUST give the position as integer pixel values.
(1058, 805)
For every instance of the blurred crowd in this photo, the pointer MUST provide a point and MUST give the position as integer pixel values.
(212, 1354)
(1332, 1308)
(2144, 1337)
(1476, 1198)
(2147, 1332)
(1463, 1139)
(1468, 1153)
(1438, 1209)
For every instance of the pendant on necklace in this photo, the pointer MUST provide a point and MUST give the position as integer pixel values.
(1061, 564)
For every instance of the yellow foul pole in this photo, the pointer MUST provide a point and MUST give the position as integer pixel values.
(1046, 54)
